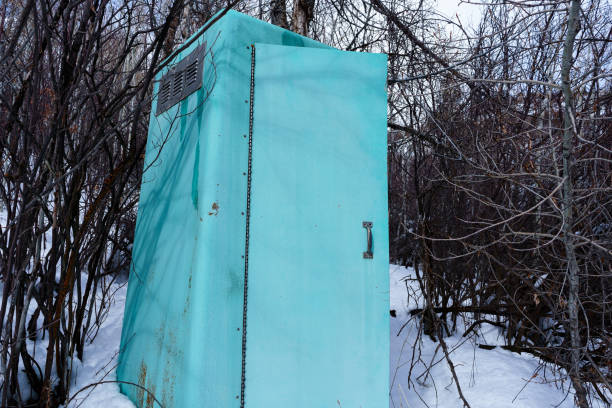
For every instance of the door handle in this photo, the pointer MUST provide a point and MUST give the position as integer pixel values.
(368, 253)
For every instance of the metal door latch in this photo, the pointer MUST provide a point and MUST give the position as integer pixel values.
(368, 253)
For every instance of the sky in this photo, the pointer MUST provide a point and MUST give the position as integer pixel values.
(468, 13)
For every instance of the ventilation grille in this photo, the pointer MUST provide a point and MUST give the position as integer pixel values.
(164, 92)
(191, 73)
(181, 80)
(177, 85)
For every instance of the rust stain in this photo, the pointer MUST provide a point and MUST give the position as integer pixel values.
(188, 297)
(150, 396)
(215, 209)
(142, 377)
(168, 399)
(171, 348)
(160, 334)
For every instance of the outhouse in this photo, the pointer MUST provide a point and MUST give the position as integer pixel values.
(259, 276)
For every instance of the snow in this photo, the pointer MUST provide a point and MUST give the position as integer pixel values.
(100, 361)
(489, 378)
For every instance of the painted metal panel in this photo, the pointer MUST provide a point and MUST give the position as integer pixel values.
(182, 330)
(318, 328)
(182, 324)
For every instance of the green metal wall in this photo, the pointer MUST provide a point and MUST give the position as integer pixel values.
(183, 323)
(318, 311)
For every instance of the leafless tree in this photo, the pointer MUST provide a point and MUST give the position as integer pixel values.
(500, 177)
(75, 92)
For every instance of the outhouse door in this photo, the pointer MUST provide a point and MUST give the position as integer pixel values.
(317, 332)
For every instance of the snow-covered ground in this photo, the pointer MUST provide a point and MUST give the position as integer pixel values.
(489, 378)
(100, 361)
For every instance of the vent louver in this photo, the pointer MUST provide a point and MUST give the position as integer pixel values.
(191, 73)
(177, 85)
(181, 80)
(164, 92)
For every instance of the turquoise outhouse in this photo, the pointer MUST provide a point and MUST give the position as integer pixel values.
(259, 276)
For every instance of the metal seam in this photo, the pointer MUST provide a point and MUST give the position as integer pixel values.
(248, 218)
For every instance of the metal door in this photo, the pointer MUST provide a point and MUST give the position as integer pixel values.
(317, 306)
